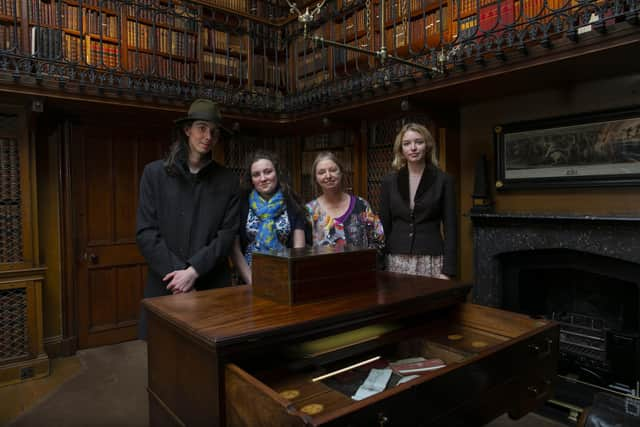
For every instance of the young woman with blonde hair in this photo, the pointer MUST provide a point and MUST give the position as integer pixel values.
(418, 201)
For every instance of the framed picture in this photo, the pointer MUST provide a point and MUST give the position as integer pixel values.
(595, 149)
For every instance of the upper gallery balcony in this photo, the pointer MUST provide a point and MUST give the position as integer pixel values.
(253, 55)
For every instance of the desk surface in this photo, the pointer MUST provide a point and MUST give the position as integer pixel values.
(228, 316)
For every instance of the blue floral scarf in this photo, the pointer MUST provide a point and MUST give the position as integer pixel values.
(267, 211)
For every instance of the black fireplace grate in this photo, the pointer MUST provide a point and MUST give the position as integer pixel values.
(583, 336)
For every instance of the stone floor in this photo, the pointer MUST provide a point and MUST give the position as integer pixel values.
(105, 386)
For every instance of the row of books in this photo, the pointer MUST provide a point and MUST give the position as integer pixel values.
(72, 48)
(8, 39)
(267, 9)
(267, 72)
(162, 40)
(312, 62)
(110, 5)
(92, 21)
(395, 9)
(10, 8)
(238, 5)
(496, 16)
(176, 43)
(426, 5)
(46, 42)
(343, 56)
(102, 54)
(465, 28)
(215, 39)
(350, 26)
(43, 13)
(265, 36)
(465, 7)
(178, 17)
(218, 66)
(163, 67)
(312, 80)
(301, 45)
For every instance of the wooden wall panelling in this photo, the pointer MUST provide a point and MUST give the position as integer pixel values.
(22, 354)
(106, 168)
(49, 140)
(19, 240)
(21, 347)
(69, 244)
(476, 139)
(363, 188)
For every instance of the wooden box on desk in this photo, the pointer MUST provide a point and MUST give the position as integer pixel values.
(294, 276)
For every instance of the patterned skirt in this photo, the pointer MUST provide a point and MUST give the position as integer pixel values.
(419, 265)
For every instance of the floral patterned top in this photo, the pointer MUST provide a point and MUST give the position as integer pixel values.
(358, 226)
(282, 229)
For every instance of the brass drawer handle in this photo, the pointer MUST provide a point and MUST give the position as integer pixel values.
(383, 420)
(536, 392)
(542, 350)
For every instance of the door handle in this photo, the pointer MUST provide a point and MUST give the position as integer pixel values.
(91, 257)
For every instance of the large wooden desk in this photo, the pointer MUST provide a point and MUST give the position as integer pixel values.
(217, 357)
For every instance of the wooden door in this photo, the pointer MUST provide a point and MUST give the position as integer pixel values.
(106, 165)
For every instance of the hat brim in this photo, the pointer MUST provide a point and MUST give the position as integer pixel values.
(193, 119)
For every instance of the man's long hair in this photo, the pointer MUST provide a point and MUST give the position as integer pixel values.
(179, 149)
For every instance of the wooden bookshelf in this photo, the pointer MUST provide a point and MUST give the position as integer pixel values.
(186, 41)
(10, 22)
(195, 41)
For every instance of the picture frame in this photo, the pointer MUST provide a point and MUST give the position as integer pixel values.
(588, 150)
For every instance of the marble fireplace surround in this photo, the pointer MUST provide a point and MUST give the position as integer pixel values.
(497, 234)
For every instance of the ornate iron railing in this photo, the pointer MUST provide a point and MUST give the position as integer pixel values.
(161, 50)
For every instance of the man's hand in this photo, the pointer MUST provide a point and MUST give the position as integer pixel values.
(443, 276)
(181, 281)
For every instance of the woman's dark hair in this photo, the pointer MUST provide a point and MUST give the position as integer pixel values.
(179, 149)
(283, 179)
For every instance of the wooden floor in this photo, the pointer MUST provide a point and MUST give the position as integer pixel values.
(106, 386)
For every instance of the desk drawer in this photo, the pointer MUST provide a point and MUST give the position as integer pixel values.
(516, 362)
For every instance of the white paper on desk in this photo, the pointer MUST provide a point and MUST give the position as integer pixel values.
(375, 383)
(408, 360)
(407, 379)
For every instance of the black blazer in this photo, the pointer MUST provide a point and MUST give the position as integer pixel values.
(417, 231)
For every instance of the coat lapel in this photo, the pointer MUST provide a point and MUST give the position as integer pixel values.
(403, 184)
(426, 181)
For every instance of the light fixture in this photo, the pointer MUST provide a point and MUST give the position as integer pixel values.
(382, 54)
(404, 104)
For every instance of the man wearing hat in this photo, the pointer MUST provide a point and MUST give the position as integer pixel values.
(188, 210)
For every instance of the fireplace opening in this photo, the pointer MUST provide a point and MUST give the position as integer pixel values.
(594, 298)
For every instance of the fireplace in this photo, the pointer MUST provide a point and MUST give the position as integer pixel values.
(582, 271)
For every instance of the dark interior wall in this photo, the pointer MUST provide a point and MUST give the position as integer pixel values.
(476, 138)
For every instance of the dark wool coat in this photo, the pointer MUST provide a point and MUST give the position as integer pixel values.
(186, 220)
(417, 231)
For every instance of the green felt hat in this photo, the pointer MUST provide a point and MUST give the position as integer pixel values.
(203, 109)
